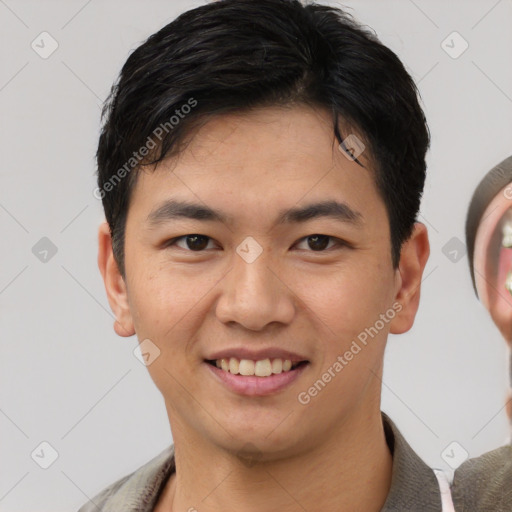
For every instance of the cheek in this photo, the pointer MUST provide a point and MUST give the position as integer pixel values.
(171, 302)
(157, 301)
(169, 312)
(348, 301)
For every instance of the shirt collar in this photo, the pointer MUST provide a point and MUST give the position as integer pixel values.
(414, 485)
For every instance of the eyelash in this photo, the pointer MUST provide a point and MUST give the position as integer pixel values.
(337, 242)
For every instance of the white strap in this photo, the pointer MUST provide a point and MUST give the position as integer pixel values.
(444, 487)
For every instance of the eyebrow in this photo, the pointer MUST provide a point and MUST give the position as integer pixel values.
(173, 209)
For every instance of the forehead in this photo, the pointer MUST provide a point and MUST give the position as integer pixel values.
(275, 137)
(271, 156)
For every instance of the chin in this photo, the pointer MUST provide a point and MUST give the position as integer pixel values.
(260, 441)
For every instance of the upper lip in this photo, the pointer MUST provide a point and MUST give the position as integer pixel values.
(256, 355)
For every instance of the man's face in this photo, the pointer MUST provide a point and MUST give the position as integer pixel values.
(256, 282)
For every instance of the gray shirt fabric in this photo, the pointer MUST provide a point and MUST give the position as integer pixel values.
(414, 486)
(484, 484)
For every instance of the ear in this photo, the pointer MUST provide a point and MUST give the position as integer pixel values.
(114, 283)
(413, 258)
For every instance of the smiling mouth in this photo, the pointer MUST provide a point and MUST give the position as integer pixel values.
(261, 368)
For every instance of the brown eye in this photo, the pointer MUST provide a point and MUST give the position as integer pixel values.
(197, 242)
(322, 243)
(318, 242)
(194, 243)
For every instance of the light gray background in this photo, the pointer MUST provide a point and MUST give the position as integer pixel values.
(69, 380)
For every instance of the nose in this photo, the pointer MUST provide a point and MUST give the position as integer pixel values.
(254, 295)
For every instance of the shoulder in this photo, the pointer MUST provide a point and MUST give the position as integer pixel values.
(414, 485)
(98, 502)
(137, 491)
(484, 483)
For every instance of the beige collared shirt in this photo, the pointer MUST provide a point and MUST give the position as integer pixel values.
(414, 486)
(484, 484)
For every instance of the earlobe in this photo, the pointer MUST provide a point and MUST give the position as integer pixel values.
(413, 259)
(114, 284)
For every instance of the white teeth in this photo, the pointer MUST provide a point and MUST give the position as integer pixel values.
(277, 366)
(246, 367)
(261, 368)
(507, 235)
(234, 364)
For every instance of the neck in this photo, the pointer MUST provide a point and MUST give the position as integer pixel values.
(350, 470)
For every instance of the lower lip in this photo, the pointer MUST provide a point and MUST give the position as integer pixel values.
(256, 386)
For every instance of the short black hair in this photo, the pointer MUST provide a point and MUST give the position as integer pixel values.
(236, 55)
